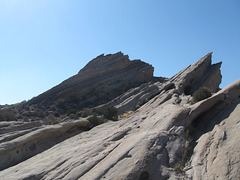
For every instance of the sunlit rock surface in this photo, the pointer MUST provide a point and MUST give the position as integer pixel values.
(166, 137)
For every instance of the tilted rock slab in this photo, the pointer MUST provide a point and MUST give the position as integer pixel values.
(18, 145)
(150, 142)
(101, 80)
(217, 154)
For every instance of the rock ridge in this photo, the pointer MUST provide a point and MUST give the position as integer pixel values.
(101, 80)
(100, 74)
(199, 74)
(166, 137)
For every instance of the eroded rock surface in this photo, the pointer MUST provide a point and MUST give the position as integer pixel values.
(216, 155)
(102, 79)
(153, 142)
(24, 140)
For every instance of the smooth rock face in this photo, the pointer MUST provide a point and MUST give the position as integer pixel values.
(153, 142)
(28, 139)
(217, 155)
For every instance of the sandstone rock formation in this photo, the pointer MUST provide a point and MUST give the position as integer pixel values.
(166, 138)
(217, 155)
(20, 141)
(102, 79)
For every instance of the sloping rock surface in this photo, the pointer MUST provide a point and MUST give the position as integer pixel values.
(217, 155)
(153, 142)
(19, 141)
(201, 73)
(102, 79)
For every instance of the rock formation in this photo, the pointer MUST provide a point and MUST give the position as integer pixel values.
(166, 137)
(20, 141)
(102, 79)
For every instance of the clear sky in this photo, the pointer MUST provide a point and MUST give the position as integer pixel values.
(45, 42)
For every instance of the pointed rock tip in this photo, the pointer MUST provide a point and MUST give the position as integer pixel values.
(207, 59)
(208, 54)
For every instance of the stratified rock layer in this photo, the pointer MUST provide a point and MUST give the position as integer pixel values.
(20, 141)
(102, 79)
(217, 155)
(153, 142)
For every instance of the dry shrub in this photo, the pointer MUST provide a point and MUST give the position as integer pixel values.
(96, 120)
(202, 93)
(126, 114)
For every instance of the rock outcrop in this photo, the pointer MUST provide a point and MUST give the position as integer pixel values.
(102, 79)
(216, 155)
(167, 137)
(201, 73)
(20, 141)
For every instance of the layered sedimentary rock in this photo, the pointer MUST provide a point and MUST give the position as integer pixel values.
(187, 81)
(216, 155)
(201, 73)
(102, 79)
(168, 137)
(22, 140)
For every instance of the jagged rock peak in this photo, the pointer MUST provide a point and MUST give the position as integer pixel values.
(201, 73)
(207, 59)
(106, 61)
(102, 79)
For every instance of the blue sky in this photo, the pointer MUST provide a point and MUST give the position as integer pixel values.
(45, 42)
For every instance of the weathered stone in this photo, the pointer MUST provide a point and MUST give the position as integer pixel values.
(216, 155)
(154, 142)
(102, 79)
(199, 74)
(23, 143)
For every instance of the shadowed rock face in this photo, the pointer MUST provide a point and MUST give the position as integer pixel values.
(201, 73)
(166, 138)
(187, 81)
(102, 79)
